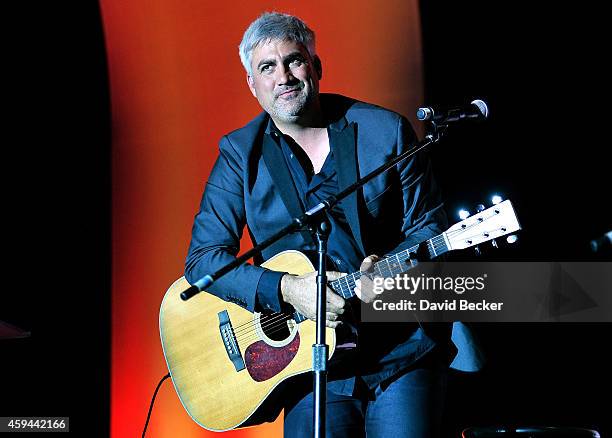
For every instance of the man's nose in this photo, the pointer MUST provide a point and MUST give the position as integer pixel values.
(284, 75)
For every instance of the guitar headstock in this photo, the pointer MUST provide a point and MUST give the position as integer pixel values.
(492, 223)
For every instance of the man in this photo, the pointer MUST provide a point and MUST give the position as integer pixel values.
(303, 148)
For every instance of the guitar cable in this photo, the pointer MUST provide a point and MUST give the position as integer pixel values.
(153, 401)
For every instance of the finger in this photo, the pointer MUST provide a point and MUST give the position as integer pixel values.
(331, 316)
(365, 290)
(334, 275)
(334, 306)
(358, 289)
(368, 263)
(332, 324)
(365, 282)
(334, 299)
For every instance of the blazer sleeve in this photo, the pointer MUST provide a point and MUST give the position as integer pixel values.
(424, 215)
(216, 233)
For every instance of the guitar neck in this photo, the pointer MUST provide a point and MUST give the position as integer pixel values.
(389, 266)
(496, 221)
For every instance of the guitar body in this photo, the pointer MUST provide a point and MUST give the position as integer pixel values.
(224, 360)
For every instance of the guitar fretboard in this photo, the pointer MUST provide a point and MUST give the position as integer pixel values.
(390, 266)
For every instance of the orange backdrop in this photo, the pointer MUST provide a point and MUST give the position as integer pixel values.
(177, 86)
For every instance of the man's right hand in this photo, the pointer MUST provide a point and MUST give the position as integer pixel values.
(301, 293)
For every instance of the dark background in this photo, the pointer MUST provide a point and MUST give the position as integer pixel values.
(540, 69)
(56, 237)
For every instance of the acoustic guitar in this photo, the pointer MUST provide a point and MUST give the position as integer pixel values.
(226, 361)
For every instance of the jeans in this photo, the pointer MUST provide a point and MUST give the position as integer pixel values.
(409, 405)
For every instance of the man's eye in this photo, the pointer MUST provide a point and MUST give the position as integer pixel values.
(297, 62)
(265, 68)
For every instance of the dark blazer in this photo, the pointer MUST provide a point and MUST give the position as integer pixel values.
(251, 184)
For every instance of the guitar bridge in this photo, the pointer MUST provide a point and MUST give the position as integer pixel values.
(229, 340)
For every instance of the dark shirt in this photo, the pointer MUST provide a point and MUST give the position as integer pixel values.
(384, 348)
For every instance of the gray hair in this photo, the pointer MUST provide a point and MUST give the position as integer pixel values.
(274, 26)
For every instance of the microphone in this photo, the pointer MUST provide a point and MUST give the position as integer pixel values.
(477, 110)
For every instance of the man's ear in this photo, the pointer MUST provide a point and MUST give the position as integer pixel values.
(318, 67)
(251, 85)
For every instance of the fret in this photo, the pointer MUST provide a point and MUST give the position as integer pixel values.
(350, 281)
(353, 281)
(433, 249)
(378, 270)
(389, 267)
(340, 288)
(397, 265)
(336, 285)
(349, 289)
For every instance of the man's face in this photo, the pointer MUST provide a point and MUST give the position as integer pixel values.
(285, 79)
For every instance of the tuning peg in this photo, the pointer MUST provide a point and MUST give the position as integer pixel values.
(512, 238)
(477, 250)
(480, 207)
(496, 199)
(463, 214)
(494, 243)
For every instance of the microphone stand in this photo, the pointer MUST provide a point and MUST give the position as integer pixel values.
(316, 221)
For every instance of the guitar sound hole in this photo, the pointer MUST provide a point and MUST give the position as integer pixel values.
(274, 325)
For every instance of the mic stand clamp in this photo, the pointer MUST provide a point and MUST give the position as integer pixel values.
(434, 130)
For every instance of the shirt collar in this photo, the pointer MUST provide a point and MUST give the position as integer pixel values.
(271, 128)
(337, 125)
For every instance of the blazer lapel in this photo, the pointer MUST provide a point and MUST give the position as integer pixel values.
(277, 166)
(342, 139)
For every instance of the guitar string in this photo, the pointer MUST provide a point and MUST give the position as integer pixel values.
(243, 328)
(274, 323)
(248, 327)
(277, 327)
(266, 325)
(478, 222)
(436, 242)
(278, 322)
(270, 327)
(273, 328)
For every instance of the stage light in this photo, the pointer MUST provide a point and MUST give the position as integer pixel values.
(496, 199)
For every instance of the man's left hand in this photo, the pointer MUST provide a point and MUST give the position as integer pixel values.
(364, 287)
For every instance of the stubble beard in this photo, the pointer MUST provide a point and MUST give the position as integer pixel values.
(290, 111)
